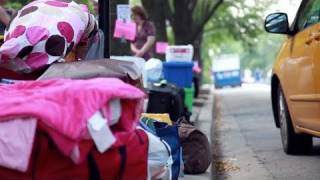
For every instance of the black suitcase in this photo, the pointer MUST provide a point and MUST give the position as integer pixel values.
(168, 99)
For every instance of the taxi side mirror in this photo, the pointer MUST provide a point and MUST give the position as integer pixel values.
(277, 23)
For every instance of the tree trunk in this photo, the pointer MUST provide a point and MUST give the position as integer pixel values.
(118, 47)
(197, 44)
(197, 49)
(156, 9)
(182, 22)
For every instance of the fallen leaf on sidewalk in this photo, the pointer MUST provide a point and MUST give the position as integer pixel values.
(223, 166)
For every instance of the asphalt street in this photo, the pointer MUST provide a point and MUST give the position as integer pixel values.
(247, 144)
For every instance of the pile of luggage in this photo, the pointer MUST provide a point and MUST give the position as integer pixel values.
(167, 118)
(85, 120)
(83, 128)
(169, 107)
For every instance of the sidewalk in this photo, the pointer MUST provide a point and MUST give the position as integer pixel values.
(202, 117)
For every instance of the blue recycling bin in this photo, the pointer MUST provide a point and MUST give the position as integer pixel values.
(178, 73)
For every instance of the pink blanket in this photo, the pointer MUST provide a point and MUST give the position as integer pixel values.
(63, 107)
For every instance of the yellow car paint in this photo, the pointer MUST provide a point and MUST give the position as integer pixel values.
(298, 70)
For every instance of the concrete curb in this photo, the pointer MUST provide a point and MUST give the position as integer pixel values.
(202, 118)
(234, 158)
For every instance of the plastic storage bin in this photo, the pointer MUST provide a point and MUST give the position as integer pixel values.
(188, 98)
(178, 73)
(179, 53)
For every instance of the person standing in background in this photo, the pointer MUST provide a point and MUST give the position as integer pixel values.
(143, 45)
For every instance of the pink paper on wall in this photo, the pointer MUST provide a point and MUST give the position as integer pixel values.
(126, 30)
(161, 47)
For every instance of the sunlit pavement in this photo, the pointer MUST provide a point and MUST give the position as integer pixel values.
(246, 142)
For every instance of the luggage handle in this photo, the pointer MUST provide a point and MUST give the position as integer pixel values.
(94, 173)
(123, 161)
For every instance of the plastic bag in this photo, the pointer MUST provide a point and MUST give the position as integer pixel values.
(159, 158)
(153, 70)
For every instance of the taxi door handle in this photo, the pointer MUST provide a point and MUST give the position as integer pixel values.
(309, 40)
(315, 36)
(312, 37)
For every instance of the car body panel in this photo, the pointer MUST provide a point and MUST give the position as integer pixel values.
(297, 69)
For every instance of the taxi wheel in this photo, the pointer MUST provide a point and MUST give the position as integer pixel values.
(292, 143)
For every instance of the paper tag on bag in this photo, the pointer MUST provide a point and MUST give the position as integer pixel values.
(100, 132)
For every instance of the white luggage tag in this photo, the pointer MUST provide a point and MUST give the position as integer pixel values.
(100, 132)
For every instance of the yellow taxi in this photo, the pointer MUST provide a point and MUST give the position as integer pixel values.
(296, 77)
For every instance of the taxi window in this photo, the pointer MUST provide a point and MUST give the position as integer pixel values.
(309, 14)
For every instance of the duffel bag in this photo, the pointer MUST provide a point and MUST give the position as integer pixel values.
(133, 159)
(197, 154)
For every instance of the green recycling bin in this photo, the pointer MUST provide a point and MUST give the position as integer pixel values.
(188, 99)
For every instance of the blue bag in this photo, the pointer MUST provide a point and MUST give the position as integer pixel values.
(171, 136)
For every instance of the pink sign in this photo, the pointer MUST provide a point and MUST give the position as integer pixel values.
(196, 68)
(126, 30)
(161, 47)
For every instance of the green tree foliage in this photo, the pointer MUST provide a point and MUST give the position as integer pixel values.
(135, 2)
(17, 4)
(237, 28)
(237, 20)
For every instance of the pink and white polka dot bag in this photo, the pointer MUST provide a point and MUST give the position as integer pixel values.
(44, 32)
